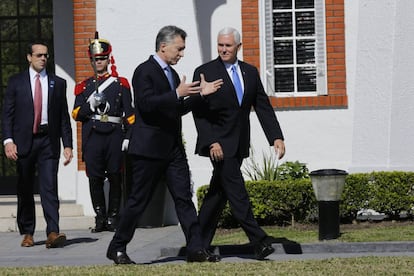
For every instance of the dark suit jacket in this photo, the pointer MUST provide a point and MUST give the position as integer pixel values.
(18, 113)
(219, 118)
(157, 127)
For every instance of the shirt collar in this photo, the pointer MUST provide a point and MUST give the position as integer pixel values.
(162, 63)
(229, 65)
(104, 76)
(33, 73)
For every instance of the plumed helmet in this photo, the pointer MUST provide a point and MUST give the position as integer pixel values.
(99, 47)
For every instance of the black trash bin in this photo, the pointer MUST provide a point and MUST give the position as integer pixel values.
(328, 185)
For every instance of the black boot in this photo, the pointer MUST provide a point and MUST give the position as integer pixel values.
(114, 201)
(98, 203)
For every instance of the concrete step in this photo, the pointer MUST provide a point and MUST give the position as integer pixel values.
(65, 210)
(65, 223)
(71, 215)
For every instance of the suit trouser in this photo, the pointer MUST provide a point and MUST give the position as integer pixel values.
(227, 183)
(145, 174)
(40, 158)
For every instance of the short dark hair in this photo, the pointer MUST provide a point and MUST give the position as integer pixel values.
(30, 46)
(167, 34)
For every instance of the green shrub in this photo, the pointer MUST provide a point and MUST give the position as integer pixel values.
(273, 202)
(293, 170)
(288, 201)
(392, 192)
(266, 171)
(281, 202)
(270, 170)
(354, 196)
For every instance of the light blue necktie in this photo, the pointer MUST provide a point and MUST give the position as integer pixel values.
(170, 77)
(237, 84)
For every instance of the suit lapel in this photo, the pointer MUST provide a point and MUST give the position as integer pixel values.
(29, 94)
(50, 89)
(28, 84)
(227, 79)
(161, 70)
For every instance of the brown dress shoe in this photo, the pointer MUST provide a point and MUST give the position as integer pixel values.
(55, 240)
(27, 241)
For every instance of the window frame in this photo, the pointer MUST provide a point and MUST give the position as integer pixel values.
(320, 53)
(335, 95)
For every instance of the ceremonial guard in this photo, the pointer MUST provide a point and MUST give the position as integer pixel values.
(104, 106)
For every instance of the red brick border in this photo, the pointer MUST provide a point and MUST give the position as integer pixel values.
(84, 27)
(335, 49)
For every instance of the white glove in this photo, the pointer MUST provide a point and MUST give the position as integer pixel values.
(93, 103)
(125, 145)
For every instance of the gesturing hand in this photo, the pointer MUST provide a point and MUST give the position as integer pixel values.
(208, 88)
(188, 89)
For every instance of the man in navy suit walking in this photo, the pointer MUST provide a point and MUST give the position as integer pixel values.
(156, 145)
(35, 119)
(223, 127)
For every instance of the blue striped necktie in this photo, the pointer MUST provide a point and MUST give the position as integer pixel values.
(170, 77)
(237, 83)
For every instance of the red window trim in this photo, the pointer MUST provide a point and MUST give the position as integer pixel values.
(335, 51)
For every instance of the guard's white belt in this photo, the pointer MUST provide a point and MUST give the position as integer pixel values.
(106, 118)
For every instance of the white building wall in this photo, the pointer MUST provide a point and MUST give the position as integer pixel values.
(373, 133)
(383, 113)
(401, 153)
(65, 68)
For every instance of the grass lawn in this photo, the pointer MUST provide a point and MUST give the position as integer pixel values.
(334, 266)
(307, 233)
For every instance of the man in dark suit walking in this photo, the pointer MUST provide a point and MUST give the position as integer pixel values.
(156, 145)
(35, 118)
(223, 126)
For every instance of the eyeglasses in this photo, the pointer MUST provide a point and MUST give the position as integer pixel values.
(101, 58)
(40, 55)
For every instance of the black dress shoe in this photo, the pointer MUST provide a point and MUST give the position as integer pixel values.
(213, 257)
(202, 256)
(119, 257)
(263, 249)
(100, 226)
(98, 229)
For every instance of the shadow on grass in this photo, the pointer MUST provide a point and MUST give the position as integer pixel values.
(247, 250)
(289, 247)
(169, 259)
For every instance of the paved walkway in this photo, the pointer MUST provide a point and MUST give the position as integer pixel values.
(163, 245)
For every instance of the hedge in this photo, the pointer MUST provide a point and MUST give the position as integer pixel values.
(289, 201)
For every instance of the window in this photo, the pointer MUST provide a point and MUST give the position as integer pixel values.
(21, 21)
(296, 43)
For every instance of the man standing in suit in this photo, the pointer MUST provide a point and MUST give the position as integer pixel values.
(223, 126)
(156, 145)
(35, 118)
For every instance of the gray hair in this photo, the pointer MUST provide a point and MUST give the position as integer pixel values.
(233, 31)
(167, 34)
